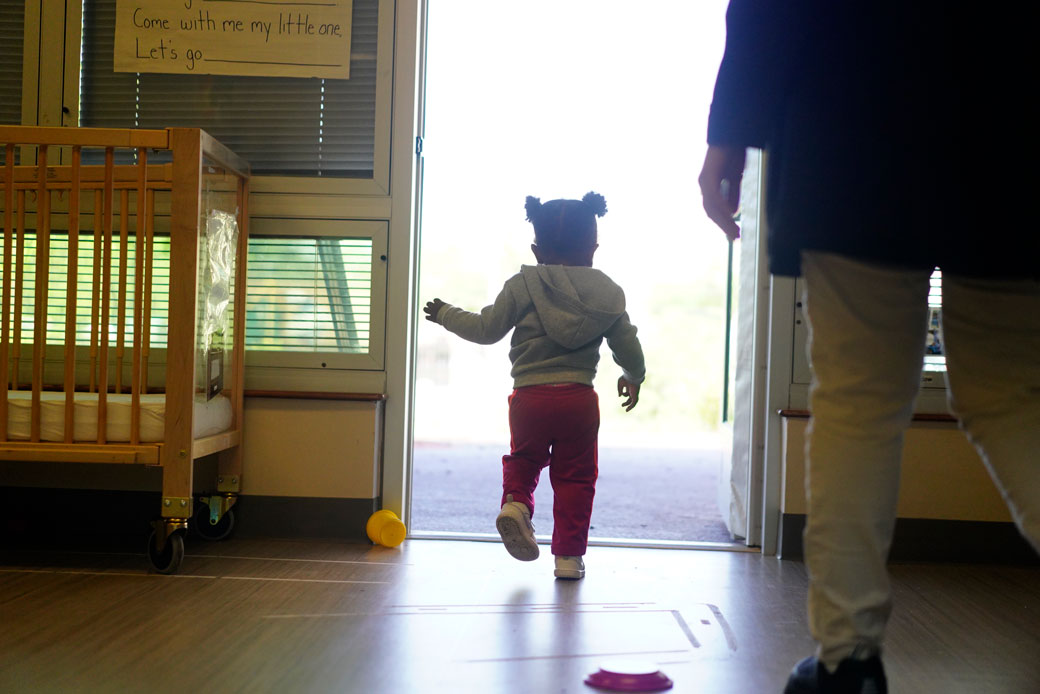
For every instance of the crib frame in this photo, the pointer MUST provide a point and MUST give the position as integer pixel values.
(197, 160)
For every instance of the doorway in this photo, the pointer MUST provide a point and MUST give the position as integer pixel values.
(555, 99)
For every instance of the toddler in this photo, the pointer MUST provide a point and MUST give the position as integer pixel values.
(561, 310)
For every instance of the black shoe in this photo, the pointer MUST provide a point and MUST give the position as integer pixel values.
(851, 677)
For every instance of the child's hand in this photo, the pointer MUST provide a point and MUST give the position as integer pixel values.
(627, 389)
(432, 308)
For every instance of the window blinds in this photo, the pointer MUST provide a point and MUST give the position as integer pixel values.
(935, 349)
(284, 126)
(303, 294)
(12, 36)
(58, 282)
(309, 294)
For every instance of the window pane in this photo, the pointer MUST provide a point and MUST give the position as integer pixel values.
(309, 294)
(935, 352)
(304, 294)
(58, 283)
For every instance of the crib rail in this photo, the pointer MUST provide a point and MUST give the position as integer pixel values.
(113, 208)
(67, 183)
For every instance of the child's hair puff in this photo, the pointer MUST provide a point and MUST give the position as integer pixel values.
(566, 226)
(532, 205)
(596, 202)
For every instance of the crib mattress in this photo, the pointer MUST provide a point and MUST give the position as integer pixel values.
(210, 417)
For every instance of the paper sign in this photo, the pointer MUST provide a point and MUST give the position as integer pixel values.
(276, 38)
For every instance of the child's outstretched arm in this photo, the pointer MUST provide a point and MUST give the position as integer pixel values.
(485, 328)
(432, 308)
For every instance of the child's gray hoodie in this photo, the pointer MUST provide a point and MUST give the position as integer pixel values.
(561, 314)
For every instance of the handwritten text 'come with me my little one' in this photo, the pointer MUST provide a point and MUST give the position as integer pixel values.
(292, 38)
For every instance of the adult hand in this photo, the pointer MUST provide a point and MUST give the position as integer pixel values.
(627, 389)
(720, 186)
(432, 308)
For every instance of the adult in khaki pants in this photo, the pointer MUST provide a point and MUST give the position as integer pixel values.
(896, 144)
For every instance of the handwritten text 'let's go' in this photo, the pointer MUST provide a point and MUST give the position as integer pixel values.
(287, 25)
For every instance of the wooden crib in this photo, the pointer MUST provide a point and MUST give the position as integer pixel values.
(94, 326)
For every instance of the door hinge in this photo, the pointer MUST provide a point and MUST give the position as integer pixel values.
(418, 144)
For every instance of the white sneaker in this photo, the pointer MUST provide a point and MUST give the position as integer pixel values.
(514, 525)
(570, 567)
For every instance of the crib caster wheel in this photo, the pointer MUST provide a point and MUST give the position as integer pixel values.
(207, 530)
(168, 559)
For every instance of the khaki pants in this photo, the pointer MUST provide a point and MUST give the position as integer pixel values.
(867, 327)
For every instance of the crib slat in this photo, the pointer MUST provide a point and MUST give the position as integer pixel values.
(6, 306)
(43, 247)
(124, 260)
(95, 290)
(149, 254)
(106, 289)
(135, 377)
(71, 287)
(19, 279)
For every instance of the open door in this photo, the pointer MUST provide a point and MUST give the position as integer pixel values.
(503, 122)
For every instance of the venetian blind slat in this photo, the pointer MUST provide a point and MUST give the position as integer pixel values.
(12, 31)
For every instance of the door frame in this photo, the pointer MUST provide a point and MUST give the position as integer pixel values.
(774, 311)
(409, 85)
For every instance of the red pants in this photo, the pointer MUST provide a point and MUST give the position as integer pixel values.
(555, 426)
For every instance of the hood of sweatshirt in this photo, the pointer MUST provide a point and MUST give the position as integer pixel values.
(575, 304)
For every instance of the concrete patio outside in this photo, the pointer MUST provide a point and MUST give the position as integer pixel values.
(642, 493)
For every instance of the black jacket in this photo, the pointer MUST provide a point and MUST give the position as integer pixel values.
(900, 132)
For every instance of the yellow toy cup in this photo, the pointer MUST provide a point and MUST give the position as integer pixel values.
(385, 528)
